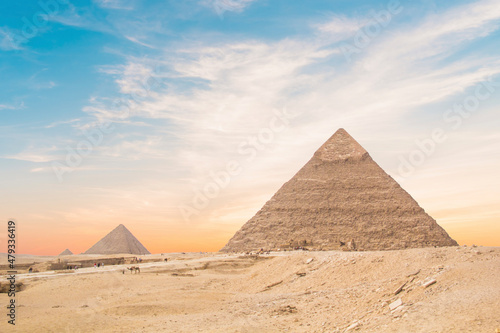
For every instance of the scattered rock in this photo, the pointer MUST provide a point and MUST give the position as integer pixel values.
(397, 291)
(310, 260)
(398, 312)
(272, 285)
(414, 273)
(429, 283)
(394, 305)
(5, 287)
(301, 274)
(287, 309)
(352, 326)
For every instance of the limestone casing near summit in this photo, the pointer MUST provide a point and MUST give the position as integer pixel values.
(340, 195)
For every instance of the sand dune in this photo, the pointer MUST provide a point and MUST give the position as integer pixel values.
(282, 292)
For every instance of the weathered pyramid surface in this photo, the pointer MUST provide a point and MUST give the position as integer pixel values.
(341, 195)
(66, 252)
(120, 240)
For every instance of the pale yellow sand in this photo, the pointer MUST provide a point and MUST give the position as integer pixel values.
(227, 293)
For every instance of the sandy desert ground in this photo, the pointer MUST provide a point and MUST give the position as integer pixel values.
(281, 292)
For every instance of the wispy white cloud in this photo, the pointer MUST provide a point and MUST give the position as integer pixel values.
(233, 88)
(221, 6)
(7, 107)
(37, 83)
(63, 122)
(44, 85)
(340, 27)
(80, 17)
(12, 107)
(129, 24)
(37, 155)
(9, 40)
(115, 4)
(151, 147)
(242, 81)
(135, 40)
(437, 36)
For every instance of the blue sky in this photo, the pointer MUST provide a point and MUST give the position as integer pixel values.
(173, 91)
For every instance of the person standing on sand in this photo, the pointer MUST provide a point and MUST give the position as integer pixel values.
(95, 265)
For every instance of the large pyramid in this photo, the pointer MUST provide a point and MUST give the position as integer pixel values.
(341, 195)
(120, 240)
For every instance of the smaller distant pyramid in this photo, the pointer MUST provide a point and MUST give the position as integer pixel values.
(66, 252)
(120, 240)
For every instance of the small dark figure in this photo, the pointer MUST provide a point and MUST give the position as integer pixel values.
(30, 270)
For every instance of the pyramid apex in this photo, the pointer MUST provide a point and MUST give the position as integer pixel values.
(121, 226)
(341, 146)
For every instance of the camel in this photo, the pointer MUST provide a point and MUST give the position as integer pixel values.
(133, 269)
